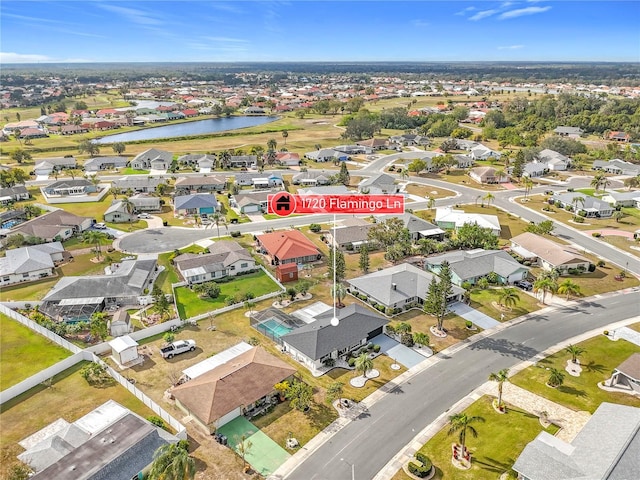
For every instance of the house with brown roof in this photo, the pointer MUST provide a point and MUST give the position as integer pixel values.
(627, 375)
(547, 253)
(374, 143)
(619, 137)
(236, 387)
(288, 247)
(55, 226)
(487, 175)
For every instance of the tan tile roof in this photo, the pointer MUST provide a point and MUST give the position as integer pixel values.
(548, 250)
(241, 381)
(631, 366)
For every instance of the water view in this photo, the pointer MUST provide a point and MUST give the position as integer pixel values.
(199, 127)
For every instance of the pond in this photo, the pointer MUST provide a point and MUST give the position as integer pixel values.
(199, 127)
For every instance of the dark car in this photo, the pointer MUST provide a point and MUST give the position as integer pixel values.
(548, 192)
(524, 285)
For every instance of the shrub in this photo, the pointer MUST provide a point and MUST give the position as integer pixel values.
(376, 348)
(596, 234)
(235, 234)
(315, 228)
(381, 308)
(329, 362)
(388, 311)
(352, 362)
(601, 263)
(406, 339)
(422, 469)
(165, 223)
(606, 332)
(157, 421)
(391, 330)
(579, 220)
(468, 324)
(369, 346)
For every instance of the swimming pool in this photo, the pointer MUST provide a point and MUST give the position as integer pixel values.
(11, 223)
(274, 328)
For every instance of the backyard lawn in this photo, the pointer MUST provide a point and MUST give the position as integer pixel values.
(484, 300)
(581, 393)
(429, 191)
(501, 438)
(24, 352)
(190, 304)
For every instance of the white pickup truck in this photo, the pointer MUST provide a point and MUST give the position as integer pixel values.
(177, 347)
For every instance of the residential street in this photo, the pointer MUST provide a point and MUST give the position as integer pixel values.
(370, 441)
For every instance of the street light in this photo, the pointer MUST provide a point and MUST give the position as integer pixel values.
(353, 468)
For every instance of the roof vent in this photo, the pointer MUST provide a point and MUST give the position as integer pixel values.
(394, 286)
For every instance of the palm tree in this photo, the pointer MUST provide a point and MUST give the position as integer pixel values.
(217, 218)
(500, 377)
(618, 215)
(431, 202)
(272, 144)
(364, 364)
(172, 462)
(569, 288)
(420, 338)
(488, 197)
(545, 285)
(528, 185)
(128, 205)
(225, 157)
(597, 180)
(575, 351)
(460, 422)
(403, 327)
(94, 238)
(285, 134)
(340, 292)
(509, 297)
(577, 200)
(556, 378)
(404, 174)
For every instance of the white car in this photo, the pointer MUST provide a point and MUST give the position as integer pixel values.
(100, 226)
(144, 216)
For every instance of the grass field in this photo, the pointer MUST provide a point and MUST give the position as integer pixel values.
(24, 352)
(426, 191)
(501, 438)
(581, 393)
(190, 304)
(483, 301)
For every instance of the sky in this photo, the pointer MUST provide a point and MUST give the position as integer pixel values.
(38, 31)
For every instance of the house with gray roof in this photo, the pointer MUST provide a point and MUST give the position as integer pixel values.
(46, 166)
(327, 155)
(622, 199)
(207, 183)
(119, 212)
(588, 207)
(203, 162)
(464, 161)
(418, 228)
(53, 226)
(312, 178)
(98, 164)
(30, 263)
(398, 287)
(617, 166)
(225, 259)
(197, 204)
(472, 265)
(259, 180)
(242, 160)
(554, 161)
(535, 169)
(68, 187)
(144, 202)
(325, 190)
(607, 448)
(152, 159)
(569, 132)
(482, 152)
(14, 194)
(467, 145)
(378, 185)
(75, 298)
(251, 202)
(138, 183)
(318, 341)
(351, 237)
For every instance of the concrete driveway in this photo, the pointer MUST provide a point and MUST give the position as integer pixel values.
(478, 318)
(400, 353)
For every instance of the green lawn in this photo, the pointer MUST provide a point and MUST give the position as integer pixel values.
(169, 274)
(24, 352)
(190, 304)
(581, 393)
(133, 171)
(483, 300)
(501, 438)
(31, 291)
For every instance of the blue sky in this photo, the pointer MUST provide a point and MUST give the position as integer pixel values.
(35, 31)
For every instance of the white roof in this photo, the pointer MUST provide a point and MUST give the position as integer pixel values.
(120, 344)
(217, 360)
(309, 314)
(96, 420)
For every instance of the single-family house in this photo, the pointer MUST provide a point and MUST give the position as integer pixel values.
(588, 206)
(110, 442)
(626, 376)
(378, 185)
(351, 235)
(254, 111)
(252, 202)
(30, 263)
(325, 190)
(143, 202)
(14, 194)
(467, 145)
(417, 227)
(482, 152)
(119, 212)
(569, 132)
(28, 133)
(289, 246)
(374, 143)
(327, 155)
(619, 137)
(407, 139)
(75, 298)
(398, 286)
(236, 387)
(472, 265)
(463, 160)
(138, 183)
(47, 166)
(98, 164)
(212, 183)
(259, 180)
(622, 199)
(607, 448)
(547, 253)
(449, 218)
(198, 160)
(487, 175)
(617, 166)
(555, 161)
(196, 204)
(289, 159)
(225, 259)
(152, 159)
(312, 178)
(69, 187)
(53, 226)
(535, 169)
(319, 341)
(242, 160)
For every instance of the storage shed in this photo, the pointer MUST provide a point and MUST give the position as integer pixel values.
(124, 350)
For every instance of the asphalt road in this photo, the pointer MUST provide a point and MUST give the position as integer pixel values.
(370, 441)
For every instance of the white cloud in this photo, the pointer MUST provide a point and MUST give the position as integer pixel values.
(226, 39)
(520, 12)
(483, 14)
(12, 57)
(133, 15)
(511, 47)
(465, 11)
(420, 23)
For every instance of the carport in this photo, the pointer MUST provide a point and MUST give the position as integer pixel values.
(400, 353)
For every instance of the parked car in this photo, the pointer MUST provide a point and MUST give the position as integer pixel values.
(548, 192)
(524, 285)
(144, 215)
(177, 347)
(100, 226)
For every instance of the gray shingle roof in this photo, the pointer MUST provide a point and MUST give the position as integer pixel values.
(219, 258)
(320, 338)
(411, 222)
(199, 200)
(476, 263)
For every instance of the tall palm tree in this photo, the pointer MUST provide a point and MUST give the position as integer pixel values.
(575, 351)
(96, 238)
(597, 180)
(528, 185)
(217, 218)
(556, 378)
(618, 215)
(577, 200)
(569, 288)
(272, 144)
(225, 158)
(404, 174)
(340, 292)
(500, 377)
(128, 205)
(364, 364)
(545, 285)
(285, 135)
(172, 462)
(462, 423)
(488, 197)
(509, 297)
(431, 202)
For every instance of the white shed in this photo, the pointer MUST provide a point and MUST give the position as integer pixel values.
(124, 350)
(120, 323)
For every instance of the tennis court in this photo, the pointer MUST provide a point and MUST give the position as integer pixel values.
(264, 455)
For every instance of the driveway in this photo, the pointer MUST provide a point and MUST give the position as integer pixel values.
(158, 240)
(478, 318)
(400, 353)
